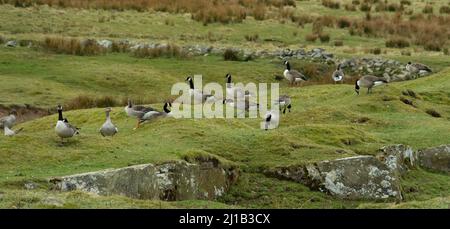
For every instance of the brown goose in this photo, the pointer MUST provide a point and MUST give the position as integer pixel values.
(137, 111)
(418, 68)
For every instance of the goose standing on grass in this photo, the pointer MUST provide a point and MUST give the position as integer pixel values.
(293, 76)
(10, 133)
(198, 95)
(284, 102)
(157, 114)
(8, 121)
(235, 92)
(417, 68)
(108, 128)
(369, 81)
(63, 128)
(271, 120)
(137, 111)
(338, 75)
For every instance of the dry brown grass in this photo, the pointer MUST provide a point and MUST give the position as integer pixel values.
(331, 4)
(73, 46)
(84, 102)
(169, 50)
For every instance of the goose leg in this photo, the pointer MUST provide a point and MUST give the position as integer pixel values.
(137, 124)
(284, 110)
(289, 107)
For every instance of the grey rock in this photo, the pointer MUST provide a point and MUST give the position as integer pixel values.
(11, 44)
(398, 158)
(30, 185)
(168, 181)
(105, 43)
(435, 158)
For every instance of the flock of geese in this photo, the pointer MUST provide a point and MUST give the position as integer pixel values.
(64, 129)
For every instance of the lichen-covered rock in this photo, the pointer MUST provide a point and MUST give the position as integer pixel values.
(435, 158)
(398, 158)
(168, 181)
(11, 43)
(360, 177)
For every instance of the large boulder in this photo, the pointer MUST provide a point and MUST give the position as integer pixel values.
(435, 158)
(168, 181)
(398, 158)
(359, 177)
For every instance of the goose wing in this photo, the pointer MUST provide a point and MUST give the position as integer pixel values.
(423, 67)
(74, 128)
(143, 109)
(296, 74)
(371, 78)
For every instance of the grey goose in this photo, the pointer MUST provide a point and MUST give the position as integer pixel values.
(369, 81)
(234, 92)
(63, 128)
(197, 94)
(338, 74)
(417, 68)
(108, 128)
(137, 111)
(158, 114)
(284, 102)
(293, 76)
(9, 120)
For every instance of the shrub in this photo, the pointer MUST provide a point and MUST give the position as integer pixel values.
(365, 7)
(72, 46)
(331, 4)
(84, 102)
(375, 51)
(169, 50)
(311, 37)
(397, 43)
(432, 45)
(231, 55)
(338, 43)
(444, 10)
(446, 51)
(428, 9)
(324, 37)
(350, 7)
(355, 2)
(433, 113)
(405, 53)
(405, 2)
(343, 22)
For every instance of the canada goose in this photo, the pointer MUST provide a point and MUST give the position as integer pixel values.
(417, 68)
(198, 95)
(242, 105)
(338, 75)
(293, 76)
(137, 111)
(156, 114)
(369, 81)
(271, 120)
(284, 102)
(235, 92)
(108, 128)
(63, 128)
(9, 120)
(10, 133)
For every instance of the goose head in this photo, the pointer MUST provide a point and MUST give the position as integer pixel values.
(228, 76)
(166, 107)
(129, 103)
(13, 112)
(189, 79)
(357, 87)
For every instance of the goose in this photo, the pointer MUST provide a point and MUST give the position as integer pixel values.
(8, 121)
(338, 75)
(198, 95)
(108, 128)
(271, 120)
(242, 105)
(156, 114)
(63, 128)
(233, 91)
(284, 102)
(293, 76)
(137, 111)
(369, 81)
(10, 133)
(417, 68)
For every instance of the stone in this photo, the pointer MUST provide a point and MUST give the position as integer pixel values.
(30, 185)
(11, 44)
(105, 43)
(435, 158)
(169, 181)
(398, 158)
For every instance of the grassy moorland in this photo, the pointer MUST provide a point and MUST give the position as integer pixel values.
(327, 121)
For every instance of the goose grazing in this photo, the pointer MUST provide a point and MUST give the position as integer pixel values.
(417, 68)
(338, 75)
(293, 76)
(137, 111)
(8, 121)
(108, 128)
(235, 92)
(198, 95)
(157, 114)
(369, 82)
(63, 128)
(271, 120)
(10, 133)
(242, 105)
(284, 102)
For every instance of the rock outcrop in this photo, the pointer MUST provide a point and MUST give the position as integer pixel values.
(435, 158)
(169, 181)
(398, 158)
